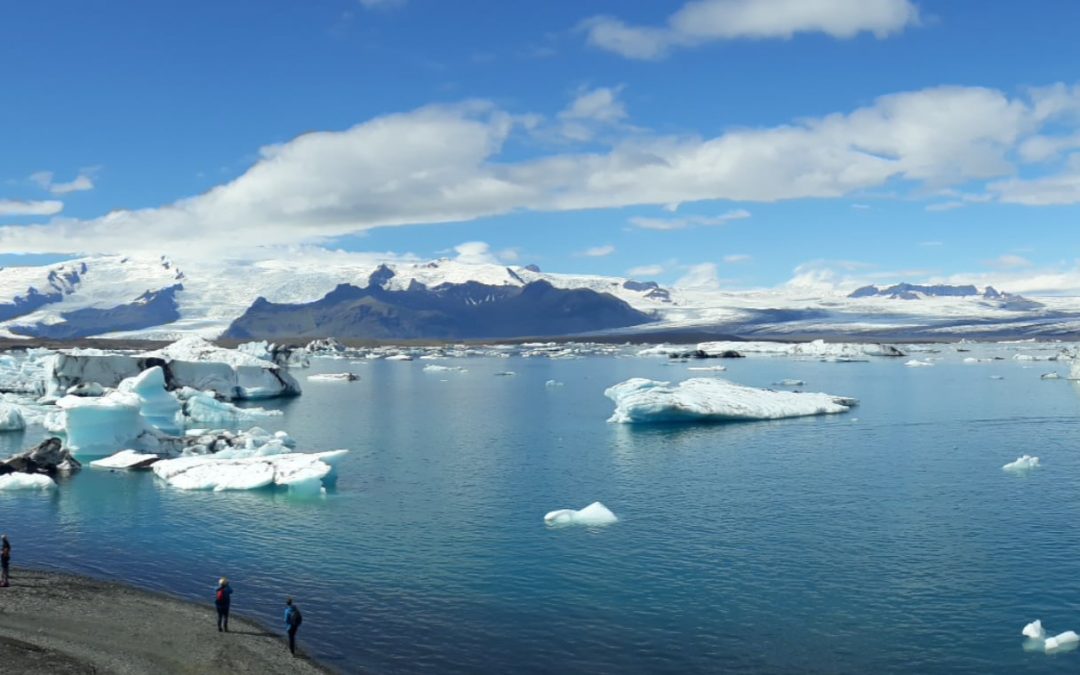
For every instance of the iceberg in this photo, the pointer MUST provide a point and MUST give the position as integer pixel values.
(642, 401)
(594, 515)
(399, 357)
(1034, 630)
(1036, 634)
(708, 368)
(126, 459)
(1060, 640)
(86, 389)
(830, 351)
(101, 425)
(26, 481)
(1050, 376)
(789, 383)
(444, 369)
(553, 383)
(334, 377)
(11, 418)
(200, 472)
(203, 408)
(1022, 463)
(916, 363)
(158, 407)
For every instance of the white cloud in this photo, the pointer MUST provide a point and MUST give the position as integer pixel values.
(700, 277)
(82, 182)
(475, 253)
(705, 21)
(689, 221)
(599, 251)
(592, 111)
(645, 271)
(14, 207)
(1009, 261)
(736, 258)
(444, 163)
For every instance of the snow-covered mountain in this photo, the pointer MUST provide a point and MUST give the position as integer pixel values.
(116, 296)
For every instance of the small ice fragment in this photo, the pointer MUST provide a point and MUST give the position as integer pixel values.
(553, 383)
(1022, 463)
(1062, 640)
(505, 373)
(1050, 376)
(916, 363)
(334, 377)
(789, 383)
(1034, 630)
(595, 514)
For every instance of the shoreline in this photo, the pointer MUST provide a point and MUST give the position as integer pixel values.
(55, 622)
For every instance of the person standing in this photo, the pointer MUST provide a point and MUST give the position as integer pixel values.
(5, 561)
(222, 600)
(293, 618)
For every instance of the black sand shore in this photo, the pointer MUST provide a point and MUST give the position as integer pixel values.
(59, 623)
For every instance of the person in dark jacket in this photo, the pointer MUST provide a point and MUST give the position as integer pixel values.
(5, 560)
(222, 599)
(292, 623)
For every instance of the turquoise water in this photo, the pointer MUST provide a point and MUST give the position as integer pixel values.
(883, 540)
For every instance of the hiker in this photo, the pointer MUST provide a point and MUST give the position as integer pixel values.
(221, 601)
(5, 560)
(293, 618)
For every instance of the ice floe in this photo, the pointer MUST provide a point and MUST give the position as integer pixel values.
(916, 363)
(26, 481)
(640, 400)
(300, 470)
(1037, 639)
(334, 377)
(11, 418)
(126, 459)
(433, 368)
(553, 383)
(1022, 463)
(593, 515)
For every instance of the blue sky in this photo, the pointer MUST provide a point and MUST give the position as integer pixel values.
(740, 142)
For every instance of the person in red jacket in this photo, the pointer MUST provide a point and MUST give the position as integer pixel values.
(222, 600)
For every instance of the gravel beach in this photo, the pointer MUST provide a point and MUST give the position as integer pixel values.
(59, 623)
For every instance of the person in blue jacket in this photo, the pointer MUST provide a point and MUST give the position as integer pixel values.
(222, 600)
(293, 618)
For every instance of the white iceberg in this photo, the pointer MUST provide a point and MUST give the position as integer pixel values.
(789, 383)
(203, 408)
(1050, 376)
(1034, 630)
(553, 383)
(11, 418)
(26, 481)
(639, 400)
(716, 369)
(1022, 463)
(102, 424)
(125, 459)
(916, 363)
(433, 368)
(212, 472)
(399, 357)
(86, 389)
(334, 377)
(1068, 638)
(593, 515)
(158, 407)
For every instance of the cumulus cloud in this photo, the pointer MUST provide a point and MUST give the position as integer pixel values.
(591, 112)
(688, 221)
(705, 21)
(80, 183)
(599, 251)
(645, 271)
(14, 207)
(475, 253)
(445, 163)
(736, 258)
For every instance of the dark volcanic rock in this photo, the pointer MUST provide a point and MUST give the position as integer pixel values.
(49, 458)
(449, 311)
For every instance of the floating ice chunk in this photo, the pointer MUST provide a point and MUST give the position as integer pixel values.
(916, 363)
(639, 400)
(1050, 376)
(86, 389)
(595, 514)
(997, 377)
(11, 418)
(125, 459)
(399, 357)
(158, 407)
(1034, 630)
(104, 424)
(202, 407)
(1022, 463)
(715, 369)
(505, 373)
(26, 481)
(1061, 640)
(444, 369)
(334, 377)
(553, 383)
(789, 383)
(211, 472)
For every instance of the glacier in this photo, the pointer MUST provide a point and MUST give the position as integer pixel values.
(593, 515)
(643, 401)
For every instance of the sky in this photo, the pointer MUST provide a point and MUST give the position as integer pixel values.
(712, 143)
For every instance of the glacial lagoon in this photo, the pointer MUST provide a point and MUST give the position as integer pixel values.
(884, 539)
